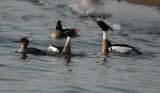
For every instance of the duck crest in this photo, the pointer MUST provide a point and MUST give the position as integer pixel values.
(59, 25)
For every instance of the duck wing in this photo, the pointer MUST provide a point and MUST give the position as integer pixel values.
(123, 48)
(123, 45)
(35, 51)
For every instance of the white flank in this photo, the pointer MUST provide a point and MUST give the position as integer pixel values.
(120, 49)
(52, 49)
(68, 40)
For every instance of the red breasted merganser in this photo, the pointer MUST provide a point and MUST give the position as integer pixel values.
(60, 32)
(25, 50)
(108, 47)
(66, 49)
(105, 29)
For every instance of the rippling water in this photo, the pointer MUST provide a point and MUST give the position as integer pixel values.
(85, 72)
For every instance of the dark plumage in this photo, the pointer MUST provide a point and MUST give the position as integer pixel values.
(102, 25)
(61, 33)
(117, 48)
(25, 50)
(66, 49)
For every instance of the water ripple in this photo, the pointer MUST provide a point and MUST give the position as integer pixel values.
(85, 70)
(9, 79)
(123, 90)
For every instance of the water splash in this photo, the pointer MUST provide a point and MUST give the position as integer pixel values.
(116, 27)
(78, 9)
(88, 12)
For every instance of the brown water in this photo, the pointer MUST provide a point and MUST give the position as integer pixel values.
(85, 73)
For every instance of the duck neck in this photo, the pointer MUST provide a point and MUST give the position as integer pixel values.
(67, 47)
(23, 48)
(104, 44)
(109, 43)
(59, 28)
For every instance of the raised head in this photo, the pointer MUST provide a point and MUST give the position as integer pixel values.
(59, 25)
(102, 24)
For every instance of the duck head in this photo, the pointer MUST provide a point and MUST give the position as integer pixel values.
(24, 41)
(57, 34)
(24, 44)
(102, 25)
(59, 25)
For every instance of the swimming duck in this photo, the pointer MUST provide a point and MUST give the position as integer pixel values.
(108, 47)
(105, 29)
(25, 50)
(66, 49)
(60, 32)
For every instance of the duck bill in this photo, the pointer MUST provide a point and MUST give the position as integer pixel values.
(77, 30)
(94, 20)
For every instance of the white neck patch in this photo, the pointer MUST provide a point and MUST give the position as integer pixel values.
(68, 40)
(22, 49)
(105, 37)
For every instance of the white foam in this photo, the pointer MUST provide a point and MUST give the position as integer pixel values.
(76, 8)
(114, 26)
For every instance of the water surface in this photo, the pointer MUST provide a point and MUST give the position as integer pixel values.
(86, 72)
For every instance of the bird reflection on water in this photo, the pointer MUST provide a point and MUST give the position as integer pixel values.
(67, 59)
(23, 56)
(104, 61)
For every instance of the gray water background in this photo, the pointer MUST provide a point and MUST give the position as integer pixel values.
(85, 72)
